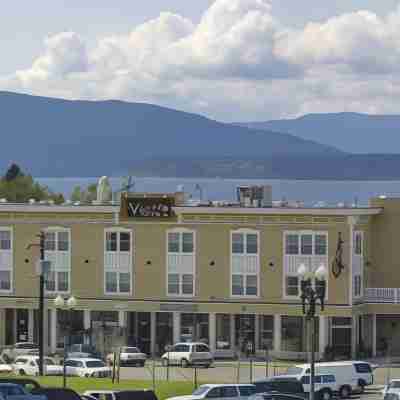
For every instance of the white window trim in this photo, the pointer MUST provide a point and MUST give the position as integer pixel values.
(11, 269)
(245, 231)
(118, 230)
(299, 233)
(361, 274)
(181, 295)
(56, 230)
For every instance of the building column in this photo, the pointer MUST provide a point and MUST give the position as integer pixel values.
(153, 322)
(30, 325)
(233, 337)
(277, 333)
(212, 331)
(373, 335)
(122, 319)
(86, 324)
(323, 334)
(354, 336)
(176, 318)
(53, 330)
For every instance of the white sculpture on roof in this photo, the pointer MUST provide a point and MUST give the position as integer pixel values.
(104, 192)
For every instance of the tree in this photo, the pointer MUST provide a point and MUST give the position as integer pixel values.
(13, 172)
(85, 196)
(17, 187)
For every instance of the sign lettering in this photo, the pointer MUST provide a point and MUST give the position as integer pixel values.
(148, 207)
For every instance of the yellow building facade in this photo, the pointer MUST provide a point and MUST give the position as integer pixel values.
(151, 272)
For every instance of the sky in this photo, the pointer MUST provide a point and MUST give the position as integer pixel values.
(232, 60)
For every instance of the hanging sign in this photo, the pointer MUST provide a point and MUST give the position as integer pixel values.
(337, 263)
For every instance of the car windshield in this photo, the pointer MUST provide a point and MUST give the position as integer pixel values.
(394, 385)
(95, 364)
(201, 390)
(130, 350)
(11, 390)
(294, 371)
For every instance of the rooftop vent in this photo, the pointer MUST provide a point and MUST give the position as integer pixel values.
(254, 196)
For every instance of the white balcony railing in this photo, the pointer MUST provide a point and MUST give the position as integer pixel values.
(382, 295)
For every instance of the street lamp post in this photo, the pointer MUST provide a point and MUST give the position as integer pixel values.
(309, 297)
(67, 305)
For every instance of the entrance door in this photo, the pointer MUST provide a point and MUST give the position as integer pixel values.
(22, 326)
(139, 330)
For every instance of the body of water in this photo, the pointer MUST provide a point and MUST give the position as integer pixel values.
(311, 192)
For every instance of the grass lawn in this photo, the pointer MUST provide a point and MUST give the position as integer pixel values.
(163, 389)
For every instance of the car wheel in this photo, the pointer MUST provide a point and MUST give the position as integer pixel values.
(87, 375)
(184, 363)
(22, 372)
(345, 392)
(164, 362)
(325, 394)
(362, 385)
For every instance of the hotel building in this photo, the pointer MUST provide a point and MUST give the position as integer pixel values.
(153, 271)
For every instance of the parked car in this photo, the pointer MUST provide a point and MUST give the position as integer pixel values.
(185, 354)
(83, 351)
(12, 391)
(128, 356)
(27, 383)
(281, 385)
(345, 381)
(57, 393)
(220, 392)
(23, 348)
(392, 388)
(139, 394)
(275, 396)
(87, 367)
(5, 368)
(29, 365)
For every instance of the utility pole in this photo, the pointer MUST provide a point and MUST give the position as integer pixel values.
(42, 269)
(41, 304)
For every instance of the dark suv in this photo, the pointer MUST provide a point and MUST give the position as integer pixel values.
(280, 385)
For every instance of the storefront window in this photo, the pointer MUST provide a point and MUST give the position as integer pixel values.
(341, 336)
(70, 326)
(194, 328)
(266, 332)
(245, 333)
(223, 334)
(296, 334)
(164, 331)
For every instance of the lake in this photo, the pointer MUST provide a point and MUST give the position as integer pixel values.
(311, 192)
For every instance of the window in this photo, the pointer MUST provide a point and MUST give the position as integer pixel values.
(118, 262)
(223, 334)
(357, 286)
(214, 393)
(266, 327)
(6, 260)
(309, 248)
(328, 379)
(363, 368)
(246, 390)
(57, 251)
(229, 391)
(358, 243)
(244, 263)
(181, 263)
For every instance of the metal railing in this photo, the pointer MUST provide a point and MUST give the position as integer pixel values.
(382, 295)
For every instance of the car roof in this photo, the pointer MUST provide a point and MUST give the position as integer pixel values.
(83, 359)
(212, 385)
(278, 378)
(191, 343)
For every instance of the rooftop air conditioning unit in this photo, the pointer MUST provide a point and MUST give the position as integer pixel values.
(254, 196)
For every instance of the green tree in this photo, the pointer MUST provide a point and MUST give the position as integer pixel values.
(86, 196)
(17, 187)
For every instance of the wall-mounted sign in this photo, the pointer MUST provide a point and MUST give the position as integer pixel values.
(147, 207)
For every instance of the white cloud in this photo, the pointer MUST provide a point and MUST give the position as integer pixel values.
(238, 62)
(65, 54)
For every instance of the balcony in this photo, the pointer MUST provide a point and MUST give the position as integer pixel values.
(381, 295)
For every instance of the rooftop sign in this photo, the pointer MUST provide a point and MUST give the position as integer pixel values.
(147, 207)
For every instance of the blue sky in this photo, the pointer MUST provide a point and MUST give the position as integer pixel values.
(112, 49)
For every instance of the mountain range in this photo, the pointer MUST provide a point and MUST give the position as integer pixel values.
(53, 137)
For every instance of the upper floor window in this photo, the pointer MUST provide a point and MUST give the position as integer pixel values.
(302, 248)
(6, 260)
(245, 263)
(180, 263)
(57, 251)
(118, 261)
(358, 243)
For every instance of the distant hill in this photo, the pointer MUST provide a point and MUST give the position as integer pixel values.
(53, 137)
(349, 132)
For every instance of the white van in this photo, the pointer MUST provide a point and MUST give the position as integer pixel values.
(345, 383)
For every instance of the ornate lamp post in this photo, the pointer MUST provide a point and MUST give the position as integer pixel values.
(310, 296)
(67, 305)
